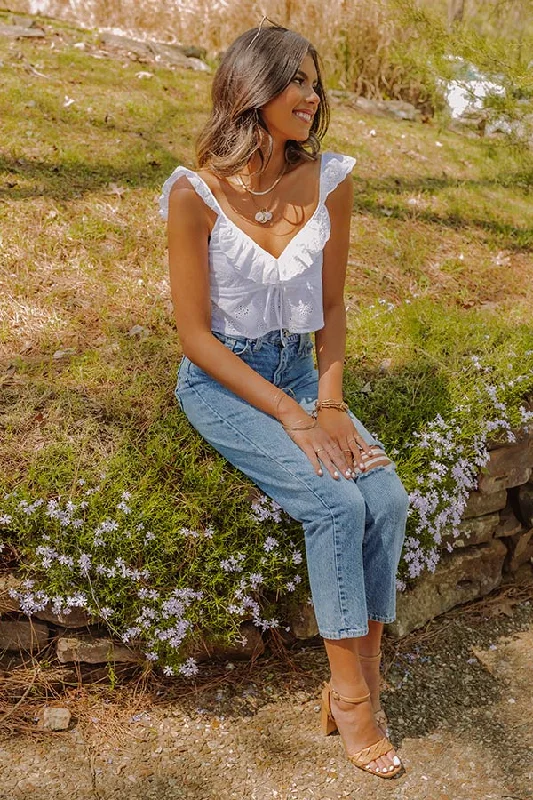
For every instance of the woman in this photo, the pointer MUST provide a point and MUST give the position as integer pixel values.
(258, 242)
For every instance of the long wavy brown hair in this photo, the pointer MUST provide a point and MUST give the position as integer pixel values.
(256, 68)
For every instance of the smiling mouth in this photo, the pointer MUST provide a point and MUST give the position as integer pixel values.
(305, 116)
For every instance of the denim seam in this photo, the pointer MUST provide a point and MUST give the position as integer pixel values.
(293, 475)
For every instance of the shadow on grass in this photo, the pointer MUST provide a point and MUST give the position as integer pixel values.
(67, 180)
(369, 200)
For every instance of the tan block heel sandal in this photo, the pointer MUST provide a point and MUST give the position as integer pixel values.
(380, 716)
(365, 756)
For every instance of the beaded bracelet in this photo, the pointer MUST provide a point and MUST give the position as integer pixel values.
(340, 405)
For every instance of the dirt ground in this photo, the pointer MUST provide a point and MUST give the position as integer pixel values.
(458, 693)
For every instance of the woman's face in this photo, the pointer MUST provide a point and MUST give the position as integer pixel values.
(290, 114)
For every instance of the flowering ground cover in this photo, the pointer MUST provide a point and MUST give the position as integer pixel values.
(109, 501)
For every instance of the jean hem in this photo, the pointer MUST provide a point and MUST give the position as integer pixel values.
(380, 618)
(346, 633)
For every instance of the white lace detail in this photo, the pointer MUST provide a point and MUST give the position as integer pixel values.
(252, 292)
(198, 184)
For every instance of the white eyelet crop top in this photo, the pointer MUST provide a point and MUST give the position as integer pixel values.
(252, 292)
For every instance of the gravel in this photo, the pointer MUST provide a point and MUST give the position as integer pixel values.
(458, 694)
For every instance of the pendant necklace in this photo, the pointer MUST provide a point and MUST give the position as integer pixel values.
(263, 215)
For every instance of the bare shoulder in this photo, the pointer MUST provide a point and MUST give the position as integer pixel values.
(339, 202)
(185, 204)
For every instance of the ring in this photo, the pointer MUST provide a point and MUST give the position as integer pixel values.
(346, 451)
(319, 450)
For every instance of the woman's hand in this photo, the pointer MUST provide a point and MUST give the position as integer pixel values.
(315, 441)
(319, 446)
(345, 436)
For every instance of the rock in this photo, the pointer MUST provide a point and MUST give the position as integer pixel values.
(140, 331)
(525, 504)
(20, 634)
(458, 578)
(251, 647)
(191, 51)
(20, 31)
(474, 531)
(515, 476)
(55, 719)
(198, 65)
(520, 550)
(78, 618)
(507, 467)
(397, 109)
(508, 524)
(93, 650)
(155, 51)
(302, 621)
(484, 503)
(8, 603)
(68, 351)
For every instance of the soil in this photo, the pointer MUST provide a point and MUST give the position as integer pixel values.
(458, 694)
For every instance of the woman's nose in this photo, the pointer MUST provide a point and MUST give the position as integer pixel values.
(313, 97)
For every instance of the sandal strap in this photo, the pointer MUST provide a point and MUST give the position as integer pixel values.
(368, 754)
(370, 658)
(337, 696)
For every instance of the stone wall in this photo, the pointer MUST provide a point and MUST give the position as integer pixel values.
(494, 547)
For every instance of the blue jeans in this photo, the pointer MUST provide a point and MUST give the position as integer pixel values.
(354, 528)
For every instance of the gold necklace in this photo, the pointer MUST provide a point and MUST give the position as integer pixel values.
(263, 215)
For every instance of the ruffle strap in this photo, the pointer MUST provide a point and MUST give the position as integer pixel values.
(334, 170)
(199, 185)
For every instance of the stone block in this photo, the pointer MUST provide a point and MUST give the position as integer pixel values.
(55, 719)
(508, 466)
(302, 621)
(525, 504)
(520, 549)
(78, 618)
(479, 503)
(475, 530)
(503, 458)
(7, 603)
(94, 650)
(458, 578)
(22, 634)
(250, 647)
(515, 476)
(509, 524)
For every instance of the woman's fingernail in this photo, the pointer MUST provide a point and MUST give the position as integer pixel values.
(320, 472)
(335, 474)
(348, 473)
(396, 761)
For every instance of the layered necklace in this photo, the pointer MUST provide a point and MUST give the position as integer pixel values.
(263, 215)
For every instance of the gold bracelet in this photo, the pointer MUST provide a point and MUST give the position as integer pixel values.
(340, 405)
(308, 427)
(279, 397)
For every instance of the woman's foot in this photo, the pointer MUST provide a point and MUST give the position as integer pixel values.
(358, 729)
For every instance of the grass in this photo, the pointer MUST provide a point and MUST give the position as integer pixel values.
(440, 268)
(83, 248)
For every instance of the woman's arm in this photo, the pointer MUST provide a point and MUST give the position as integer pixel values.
(188, 231)
(331, 338)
